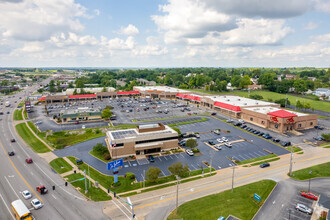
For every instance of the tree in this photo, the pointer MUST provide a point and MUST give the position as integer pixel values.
(235, 80)
(100, 149)
(307, 106)
(191, 143)
(153, 174)
(282, 102)
(326, 136)
(207, 87)
(300, 86)
(80, 83)
(71, 85)
(75, 92)
(106, 113)
(177, 130)
(267, 79)
(256, 96)
(178, 169)
(244, 82)
(104, 89)
(299, 105)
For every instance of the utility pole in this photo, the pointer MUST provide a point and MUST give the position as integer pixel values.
(291, 158)
(309, 182)
(232, 179)
(89, 179)
(144, 178)
(86, 190)
(177, 192)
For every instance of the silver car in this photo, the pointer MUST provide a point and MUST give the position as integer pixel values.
(303, 208)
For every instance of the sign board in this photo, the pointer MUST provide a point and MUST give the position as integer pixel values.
(115, 164)
(257, 197)
(221, 218)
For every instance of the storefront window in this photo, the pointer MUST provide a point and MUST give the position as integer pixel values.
(251, 119)
(311, 123)
(299, 125)
(276, 126)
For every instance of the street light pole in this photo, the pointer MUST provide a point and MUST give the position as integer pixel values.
(309, 182)
(291, 157)
(177, 192)
(232, 179)
(211, 155)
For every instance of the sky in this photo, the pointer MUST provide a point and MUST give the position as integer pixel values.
(164, 33)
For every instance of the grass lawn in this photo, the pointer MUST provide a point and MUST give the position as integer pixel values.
(294, 149)
(95, 194)
(30, 139)
(25, 115)
(18, 115)
(124, 126)
(321, 170)
(62, 139)
(188, 122)
(239, 203)
(60, 165)
(98, 156)
(256, 159)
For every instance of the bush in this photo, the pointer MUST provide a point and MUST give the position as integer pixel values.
(195, 150)
(256, 96)
(100, 149)
(116, 184)
(177, 130)
(89, 131)
(326, 136)
(228, 131)
(130, 176)
(97, 131)
(106, 156)
(270, 100)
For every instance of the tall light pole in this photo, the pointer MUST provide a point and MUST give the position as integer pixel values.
(291, 158)
(232, 179)
(309, 182)
(177, 192)
(211, 155)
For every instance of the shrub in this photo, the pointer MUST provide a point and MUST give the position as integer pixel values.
(106, 156)
(177, 130)
(256, 96)
(195, 150)
(130, 176)
(97, 131)
(116, 184)
(88, 131)
(228, 131)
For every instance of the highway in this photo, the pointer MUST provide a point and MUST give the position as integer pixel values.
(16, 175)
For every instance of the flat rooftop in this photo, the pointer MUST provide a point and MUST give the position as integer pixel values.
(80, 110)
(265, 110)
(239, 101)
(133, 133)
(159, 88)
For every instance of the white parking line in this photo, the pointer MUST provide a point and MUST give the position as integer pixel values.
(176, 156)
(170, 157)
(194, 167)
(159, 158)
(165, 158)
(182, 155)
(129, 163)
(163, 173)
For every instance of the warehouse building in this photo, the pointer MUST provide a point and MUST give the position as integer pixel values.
(142, 140)
(81, 115)
(163, 92)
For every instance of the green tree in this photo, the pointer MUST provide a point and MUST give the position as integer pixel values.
(235, 80)
(244, 82)
(200, 80)
(152, 174)
(177, 130)
(326, 136)
(207, 87)
(178, 169)
(299, 105)
(307, 106)
(100, 149)
(282, 102)
(80, 83)
(106, 113)
(75, 92)
(300, 86)
(71, 85)
(104, 89)
(267, 79)
(191, 143)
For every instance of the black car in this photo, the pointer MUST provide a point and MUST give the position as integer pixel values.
(151, 158)
(260, 134)
(264, 165)
(213, 113)
(11, 153)
(286, 143)
(256, 132)
(8, 112)
(211, 142)
(318, 127)
(276, 140)
(237, 124)
(243, 126)
(182, 143)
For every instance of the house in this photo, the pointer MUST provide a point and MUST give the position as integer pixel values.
(322, 92)
(255, 87)
(290, 76)
(311, 78)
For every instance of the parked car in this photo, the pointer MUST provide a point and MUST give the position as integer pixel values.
(319, 138)
(220, 140)
(211, 142)
(260, 134)
(228, 145)
(36, 204)
(83, 127)
(264, 165)
(256, 132)
(189, 152)
(217, 146)
(225, 139)
(213, 113)
(318, 127)
(243, 126)
(216, 132)
(28, 160)
(12, 140)
(151, 158)
(79, 161)
(182, 143)
(276, 140)
(26, 194)
(76, 122)
(42, 189)
(11, 153)
(241, 120)
(229, 121)
(286, 143)
(309, 195)
(237, 124)
(303, 208)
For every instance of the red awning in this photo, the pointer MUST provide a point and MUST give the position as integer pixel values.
(127, 92)
(82, 96)
(227, 106)
(282, 114)
(42, 99)
(180, 95)
(197, 98)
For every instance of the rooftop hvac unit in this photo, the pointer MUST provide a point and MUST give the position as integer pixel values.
(257, 103)
(238, 99)
(227, 99)
(245, 103)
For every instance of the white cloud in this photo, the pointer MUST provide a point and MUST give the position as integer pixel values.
(129, 30)
(120, 44)
(39, 20)
(152, 48)
(310, 26)
(322, 5)
(256, 32)
(72, 39)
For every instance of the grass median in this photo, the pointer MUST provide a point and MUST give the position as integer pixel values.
(188, 122)
(18, 115)
(95, 194)
(239, 203)
(60, 165)
(321, 170)
(30, 139)
(256, 159)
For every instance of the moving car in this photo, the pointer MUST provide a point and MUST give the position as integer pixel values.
(151, 158)
(303, 208)
(83, 127)
(42, 189)
(12, 140)
(264, 165)
(76, 122)
(189, 152)
(29, 160)
(26, 194)
(36, 204)
(309, 195)
(11, 153)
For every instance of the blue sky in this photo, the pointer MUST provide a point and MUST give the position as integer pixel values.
(164, 33)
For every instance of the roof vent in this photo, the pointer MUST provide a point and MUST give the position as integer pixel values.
(227, 99)
(238, 99)
(257, 103)
(245, 103)
(224, 96)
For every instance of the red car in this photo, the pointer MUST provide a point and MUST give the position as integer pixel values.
(189, 113)
(29, 160)
(42, 189)
(309, 195)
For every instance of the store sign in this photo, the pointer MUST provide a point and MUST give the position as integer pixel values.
(274, 119)
(290, 120)
(83, 114)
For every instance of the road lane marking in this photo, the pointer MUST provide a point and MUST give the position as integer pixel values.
(53, 196)
(229, 182)
(4, 202)
(121, 210)
(11, 186)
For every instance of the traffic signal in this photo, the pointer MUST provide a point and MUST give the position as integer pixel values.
(53, 187)
(114, 194)
(66, 183)
(115, 172)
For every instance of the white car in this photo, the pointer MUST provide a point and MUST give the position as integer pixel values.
(36, 204)
(218, 147)
(241, 120)
(228, 144)
(83, 127)
(190, 152)
(220, 140)
(26, 194)
(225, 139)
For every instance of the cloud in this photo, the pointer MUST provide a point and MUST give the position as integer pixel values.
(322, 5)
(11, 1)
(264, 8)
(310, 26)
(190, 19)
(152, 48)
(129, 30)
(38, 20)
(256, 32)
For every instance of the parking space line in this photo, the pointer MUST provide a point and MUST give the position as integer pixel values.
(163, 172)
(182, 155)
(159, 158)
(170, 157)
(129, 163)
(165, 157)
(176, 156)
(194, 167)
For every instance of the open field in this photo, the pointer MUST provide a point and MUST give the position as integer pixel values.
(60, 165)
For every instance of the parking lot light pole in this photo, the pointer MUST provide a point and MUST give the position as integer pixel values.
(177, 192)
(291, 157)
(309, 182)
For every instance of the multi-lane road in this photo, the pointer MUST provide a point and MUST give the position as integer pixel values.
(16, 175)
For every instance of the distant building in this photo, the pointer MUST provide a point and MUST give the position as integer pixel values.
(146, 82)
(311, 78)
(70, 91)
(255, 87)
(120, 83)
(290, 76)
(81, 114)
(322, 92)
